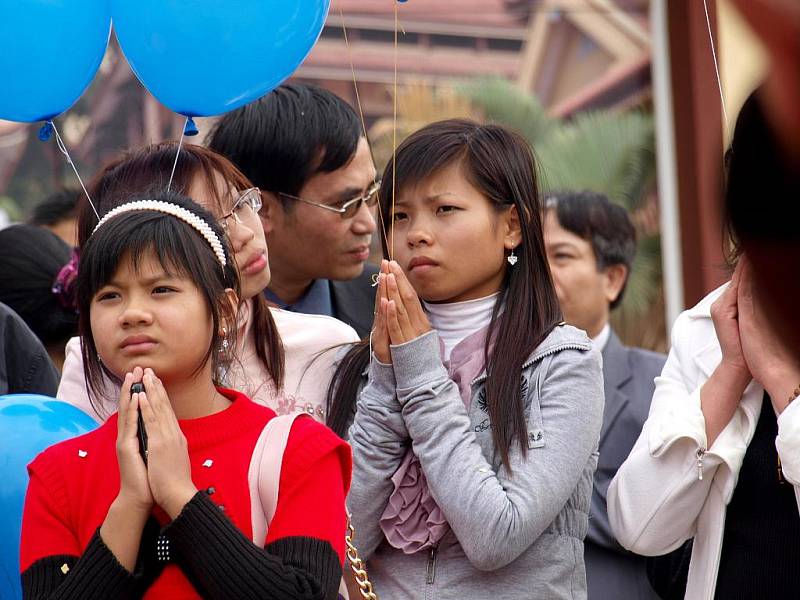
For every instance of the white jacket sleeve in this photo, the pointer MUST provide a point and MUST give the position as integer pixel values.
(657, 493)
(788, 444)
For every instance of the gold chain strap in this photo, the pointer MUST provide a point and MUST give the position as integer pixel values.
(357, 565)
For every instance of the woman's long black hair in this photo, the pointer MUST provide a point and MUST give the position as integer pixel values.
(500, 164)
(180, 249)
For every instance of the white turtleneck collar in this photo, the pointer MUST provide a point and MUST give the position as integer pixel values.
(456, 320)
(601, 339)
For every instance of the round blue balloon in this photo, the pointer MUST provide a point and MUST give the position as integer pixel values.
(28, 424)
(206, 57)
(49, 52)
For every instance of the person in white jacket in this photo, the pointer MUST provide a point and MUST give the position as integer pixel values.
(727, 375)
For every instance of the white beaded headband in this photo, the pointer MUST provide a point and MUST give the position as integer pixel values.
(176, 211)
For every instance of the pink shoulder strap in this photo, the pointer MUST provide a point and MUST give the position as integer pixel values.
(264, 474)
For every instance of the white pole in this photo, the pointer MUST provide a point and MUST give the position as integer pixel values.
(666, 164)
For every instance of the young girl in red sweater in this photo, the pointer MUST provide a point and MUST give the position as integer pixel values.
(157, 295)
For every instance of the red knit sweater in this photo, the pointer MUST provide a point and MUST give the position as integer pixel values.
(72, 485)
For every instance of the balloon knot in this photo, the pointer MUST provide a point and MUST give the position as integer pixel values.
(190, 129)
(46, 131)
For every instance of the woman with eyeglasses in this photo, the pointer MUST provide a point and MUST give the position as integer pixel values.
(283, 360)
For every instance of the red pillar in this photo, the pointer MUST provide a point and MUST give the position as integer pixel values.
(698, 146)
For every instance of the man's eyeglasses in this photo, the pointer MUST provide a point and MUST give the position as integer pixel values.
(349, 208)
(250, 199)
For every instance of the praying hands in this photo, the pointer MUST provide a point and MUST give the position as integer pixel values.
(399, 316)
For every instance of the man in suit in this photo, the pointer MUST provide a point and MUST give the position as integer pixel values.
(304, 148)
(590, 245)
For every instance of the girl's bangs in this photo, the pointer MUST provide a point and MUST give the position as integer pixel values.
(176, 246)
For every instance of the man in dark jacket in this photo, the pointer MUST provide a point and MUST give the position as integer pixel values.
(25, 367)
(590, 246)
(305, 148)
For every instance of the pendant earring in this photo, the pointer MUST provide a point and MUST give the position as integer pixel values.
(224, 341)
(512, 258)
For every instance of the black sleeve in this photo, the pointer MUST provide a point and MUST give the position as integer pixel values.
(223, 564)
(41, 377)
(96, 574)
(28, 368)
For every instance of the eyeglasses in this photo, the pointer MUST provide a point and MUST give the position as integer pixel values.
(248, 199)
(349, 208)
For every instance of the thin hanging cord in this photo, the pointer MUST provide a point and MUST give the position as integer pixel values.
(394, 132)
(355, 83)
(177, 154)
(383, 226)
(716, 66)
(360, 110)
(63, 148)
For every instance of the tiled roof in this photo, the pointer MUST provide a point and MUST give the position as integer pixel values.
(511, 13)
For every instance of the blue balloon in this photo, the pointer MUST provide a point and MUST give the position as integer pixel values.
(28, 424)
(50, 51)
(206, 57)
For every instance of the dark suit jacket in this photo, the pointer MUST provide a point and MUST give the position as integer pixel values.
(354, 301)
(613, 573)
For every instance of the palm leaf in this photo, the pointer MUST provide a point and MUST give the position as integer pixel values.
(502, 102)
(606, 152)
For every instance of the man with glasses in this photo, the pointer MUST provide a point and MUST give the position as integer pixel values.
(304, 148)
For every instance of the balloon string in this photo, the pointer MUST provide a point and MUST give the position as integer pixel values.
(360, 111)
(177, 154)
(716, 68)
(394, 133)
(63, 148)
(383, 226)
(353, 71)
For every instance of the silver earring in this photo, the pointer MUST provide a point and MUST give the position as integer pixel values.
(224, 341)
(512, 258)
